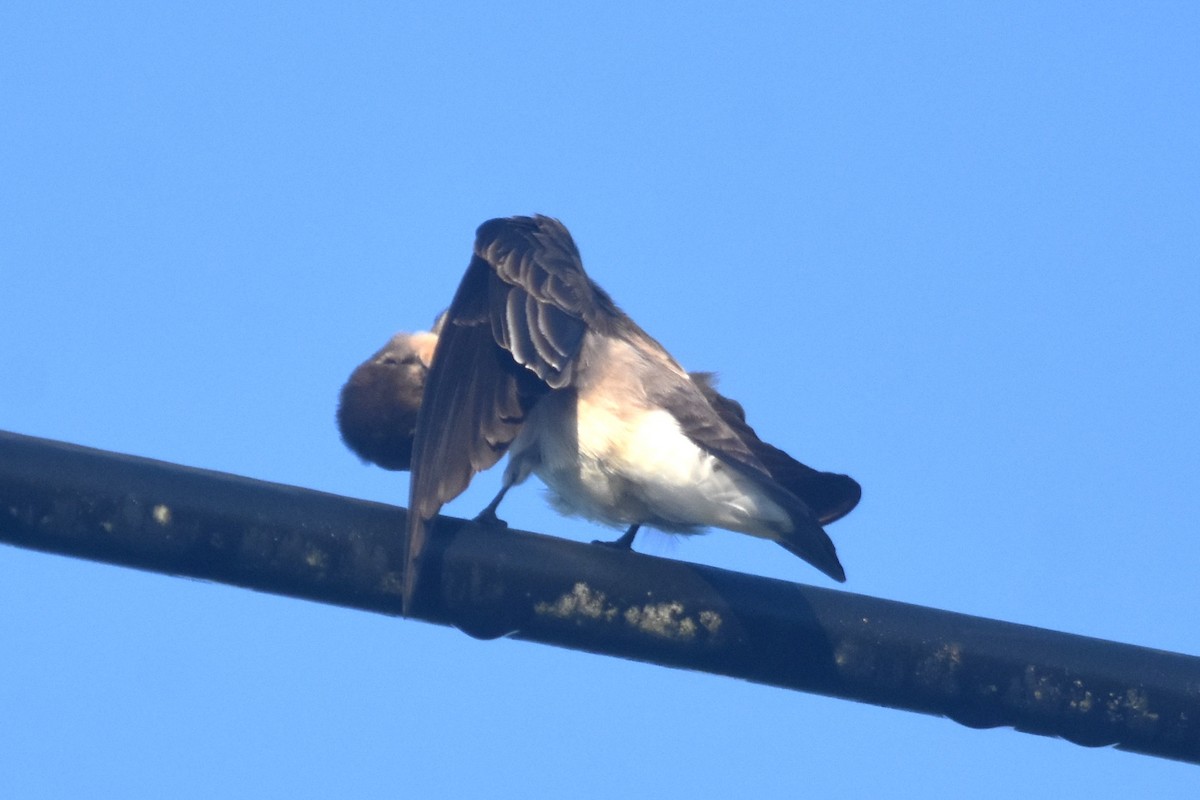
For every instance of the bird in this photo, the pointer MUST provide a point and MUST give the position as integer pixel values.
(535, 360)
(378, 406)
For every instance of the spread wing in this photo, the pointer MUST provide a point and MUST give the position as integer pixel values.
(511, 334)
(830, 495)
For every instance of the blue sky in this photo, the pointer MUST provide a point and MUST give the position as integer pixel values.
(951, 249)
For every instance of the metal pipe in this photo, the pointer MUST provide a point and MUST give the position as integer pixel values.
(152, 515)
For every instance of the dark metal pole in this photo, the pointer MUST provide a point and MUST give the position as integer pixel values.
(163, 517)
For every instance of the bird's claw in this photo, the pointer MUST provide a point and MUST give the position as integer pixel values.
(488, 517)
(616, 544)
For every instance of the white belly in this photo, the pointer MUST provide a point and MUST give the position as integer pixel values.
(622, 467)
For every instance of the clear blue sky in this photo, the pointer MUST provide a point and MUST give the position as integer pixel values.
(952, 249)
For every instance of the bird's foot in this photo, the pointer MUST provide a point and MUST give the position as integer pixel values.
(623, 543)
(488, 517)
(616, 544)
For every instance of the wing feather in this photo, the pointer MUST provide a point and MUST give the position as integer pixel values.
(511, 334)
(830, 495)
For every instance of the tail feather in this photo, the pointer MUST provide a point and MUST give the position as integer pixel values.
(812, 544)
(806, 539)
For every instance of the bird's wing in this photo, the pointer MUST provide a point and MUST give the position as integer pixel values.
(718, 425)
(701, 421)
(511, 334)
(830, 495)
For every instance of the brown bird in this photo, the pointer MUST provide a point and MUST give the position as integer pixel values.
(377, 417)
(536, 360)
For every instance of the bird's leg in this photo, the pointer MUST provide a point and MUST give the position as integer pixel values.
(488, 515)
(626, 540)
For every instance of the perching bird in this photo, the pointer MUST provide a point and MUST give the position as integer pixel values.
(377, 417)
(536, 360)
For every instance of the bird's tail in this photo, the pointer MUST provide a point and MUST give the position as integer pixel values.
(805, 537)
(809, 541)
